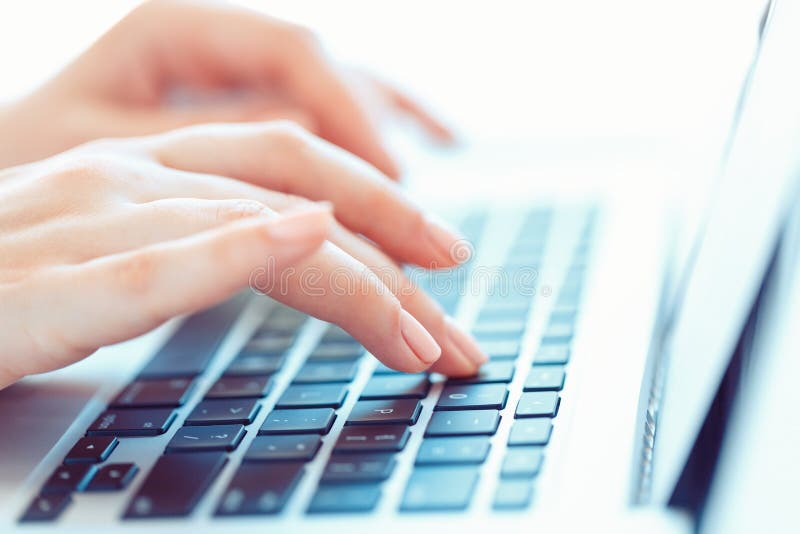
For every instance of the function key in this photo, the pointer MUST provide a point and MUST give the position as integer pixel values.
(112, 477)
(372, 467)
(255, 364)
(389, 411)
(206, 438)
(154, 393)
(46, 507)
(260, 488)
(67, 478)
(530, 431)
(513, 495)
(522, 462)
(354, 498)
(300, 421)
(215, 412)
(377, 438)
(545, 378)
(230, 387)
(91, 449)
(464, 423)
(397, 387)
(129, 422)
(301, 447)
(313, 396)
(552, 354)
(439, 488)
(473, 397)
(466, 450)
(538, 404)
(322, 372)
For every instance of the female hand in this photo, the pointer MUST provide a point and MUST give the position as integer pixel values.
(106, 241)
(237, 65)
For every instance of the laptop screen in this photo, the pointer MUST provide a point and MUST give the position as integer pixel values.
(747, 209)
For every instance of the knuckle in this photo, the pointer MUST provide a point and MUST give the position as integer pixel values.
(136, 275)
(237, 209)
(291, 140)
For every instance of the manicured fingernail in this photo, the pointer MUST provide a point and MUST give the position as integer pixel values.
(449, 244)
(418, 339)
(465, 343)
(303, 223)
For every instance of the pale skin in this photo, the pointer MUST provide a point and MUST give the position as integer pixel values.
(167, 214)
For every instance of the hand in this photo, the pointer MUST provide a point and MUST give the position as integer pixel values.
(237, 66)
(107, 241)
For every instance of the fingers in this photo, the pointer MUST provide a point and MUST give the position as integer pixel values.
(285, 158)
(72, 310)
(408, 105)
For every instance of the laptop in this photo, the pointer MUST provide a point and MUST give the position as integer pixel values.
(606, 353)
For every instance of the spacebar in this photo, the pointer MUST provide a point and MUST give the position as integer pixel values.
(175, 484)
(191, 347)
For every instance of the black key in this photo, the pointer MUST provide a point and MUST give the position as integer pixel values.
(206, 438)
(522, 462)
(255, 364)
(356, 498)
(439, 488)
(552, 355)
(337, 352)
(46, 507)
(466, 450)
(473, 397)
(382, 369)
(389, 438)
(112, 477)
(397, 387)
(489, 373)
(385, 412)
(260, 488)
(232, 387)
(189, 351)
(374, 467)
(530, 431)
(67, 478)
(268, 344)
(281, 448)
(313, 396)
(132, 422)
(500, 350)
(230, 411)
(513, 495)
(499, 329)
(322, 372)
(175, 484)
(91, 450)
(466, 423)
(311, 421)
(545, 378)
(154, 393)
(538, 404)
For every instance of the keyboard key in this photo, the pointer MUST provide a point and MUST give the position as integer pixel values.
(386, 412)
(374, 467)
(530, 432)
(189, 351)
(497, 310)
(337, 352)
(356, 498)
(336, 333)
(552, 355)
(154, 393)
(439, 488)
(513, 495)
(255, 364)
(301, 447)
(132, 423)
(465, 423)
(206, 438)
(382, 369)
(175, 484)
(112, 477)
(231, 387)
(311, 421)
(283, 319)
(260, 488)
(558, 332)
(268, 344)
(389, 438)
(67, 478)
(491, 372)
(499, 329)
(397, 387)
(500, 349)
(313, 396)
(538, 404)
(545, 378)
(92, 450)
(46, 507)
(522, 462)
(473, 397)
(322, 372)
(467, 450)
(230, 411)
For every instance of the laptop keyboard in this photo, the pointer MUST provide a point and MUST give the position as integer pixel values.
(449, 464)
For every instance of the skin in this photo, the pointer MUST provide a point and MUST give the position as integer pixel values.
(173, 222)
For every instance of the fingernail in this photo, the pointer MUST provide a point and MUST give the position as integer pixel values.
(300, 224)
(418, 339)
(465, 343)
(450, 244)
